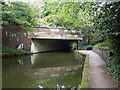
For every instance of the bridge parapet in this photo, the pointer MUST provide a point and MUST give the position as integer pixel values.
(52, 34)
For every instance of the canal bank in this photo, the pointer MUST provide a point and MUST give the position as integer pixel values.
(13, 52)
(95, 73)
(85, 83)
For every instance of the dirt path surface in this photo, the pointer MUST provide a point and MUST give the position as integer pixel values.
(99, 75)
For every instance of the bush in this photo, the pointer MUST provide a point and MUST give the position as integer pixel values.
(105, 45)
(114, 66)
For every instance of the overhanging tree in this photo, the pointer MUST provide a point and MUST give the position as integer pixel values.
(18, 13)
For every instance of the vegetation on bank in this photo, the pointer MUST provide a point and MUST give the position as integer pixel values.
(8, 51)
(107, 23)
(112, 63)
(105, 45)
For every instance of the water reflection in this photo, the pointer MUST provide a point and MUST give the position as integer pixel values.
(41, 69)
(52, 72)
(33, 58)
(46, 60)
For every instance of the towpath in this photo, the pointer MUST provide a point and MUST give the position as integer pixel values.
(98, 73)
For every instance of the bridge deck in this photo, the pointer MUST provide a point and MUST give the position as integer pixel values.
(53, 34)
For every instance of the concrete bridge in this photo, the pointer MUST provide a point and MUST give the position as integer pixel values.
(52, 39)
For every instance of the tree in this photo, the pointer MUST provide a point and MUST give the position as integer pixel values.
(107, 22)
(70, 15)
(18, 13)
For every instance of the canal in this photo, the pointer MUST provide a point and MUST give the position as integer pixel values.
(48, 70)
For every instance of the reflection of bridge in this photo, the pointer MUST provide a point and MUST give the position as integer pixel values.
(49, 39)
(52, 72)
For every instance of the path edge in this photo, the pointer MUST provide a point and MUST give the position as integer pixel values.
(86, 83)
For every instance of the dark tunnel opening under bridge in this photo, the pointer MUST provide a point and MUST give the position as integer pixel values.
(52, 45)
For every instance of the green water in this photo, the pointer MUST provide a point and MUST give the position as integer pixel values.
(48, 70)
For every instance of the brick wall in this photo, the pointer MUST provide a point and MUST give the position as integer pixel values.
(15, 37)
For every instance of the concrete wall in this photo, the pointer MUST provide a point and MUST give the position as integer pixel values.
(39, 45)
(15, 37)
(102, 52)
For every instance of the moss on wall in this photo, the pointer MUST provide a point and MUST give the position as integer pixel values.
(85, 66)
(85, 76)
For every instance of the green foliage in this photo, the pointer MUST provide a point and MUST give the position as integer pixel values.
(18, 13)
(70, 15)
(105, 45)
(89, 46)
(43, 23)
(107, 23)
(97, 38)
(74, 46)
(7, 51)
(114, 66)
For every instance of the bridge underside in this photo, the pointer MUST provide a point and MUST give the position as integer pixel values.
(45, 45)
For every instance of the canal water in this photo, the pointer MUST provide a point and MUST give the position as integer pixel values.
(48, 70)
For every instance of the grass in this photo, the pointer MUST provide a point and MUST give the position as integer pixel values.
(8, 51)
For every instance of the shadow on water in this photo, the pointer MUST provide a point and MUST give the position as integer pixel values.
(45, 69)
(59, 50)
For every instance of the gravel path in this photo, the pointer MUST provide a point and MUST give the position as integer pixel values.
(99, 75)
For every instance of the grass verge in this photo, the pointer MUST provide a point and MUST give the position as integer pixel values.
(8, 52)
